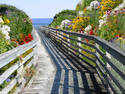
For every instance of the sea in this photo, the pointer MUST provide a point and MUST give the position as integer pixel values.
(37, 22)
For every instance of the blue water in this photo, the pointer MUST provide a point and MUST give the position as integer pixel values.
(37, 22)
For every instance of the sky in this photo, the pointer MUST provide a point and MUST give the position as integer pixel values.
(42, 8)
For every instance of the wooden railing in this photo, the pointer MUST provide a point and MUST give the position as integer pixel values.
(107, 58)
(14, 65)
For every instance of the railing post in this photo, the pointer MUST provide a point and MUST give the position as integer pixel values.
(109, 68)
(109, 56)
(35, 57)
(79, 44)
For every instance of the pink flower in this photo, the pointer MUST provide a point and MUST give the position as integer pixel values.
(30, 20)
(122, 11)
(108, 12)
(24, 19)
(116, 12)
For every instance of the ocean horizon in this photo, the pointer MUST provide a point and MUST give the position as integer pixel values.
(37, 22)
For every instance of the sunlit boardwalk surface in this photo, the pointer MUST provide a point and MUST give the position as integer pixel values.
(59, 72)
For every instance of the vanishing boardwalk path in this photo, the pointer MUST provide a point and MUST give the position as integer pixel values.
(65, 74)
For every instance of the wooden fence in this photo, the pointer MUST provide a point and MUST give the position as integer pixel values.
(17, 67)
(106, 57)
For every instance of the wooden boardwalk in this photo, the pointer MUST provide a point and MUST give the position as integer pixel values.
(65, 74)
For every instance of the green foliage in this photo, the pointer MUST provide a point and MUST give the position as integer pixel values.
(65, 14)
(94, 17)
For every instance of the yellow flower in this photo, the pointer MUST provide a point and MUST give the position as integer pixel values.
(120, 38)
(7, 21)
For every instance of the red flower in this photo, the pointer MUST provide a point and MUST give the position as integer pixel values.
(22, 43)
(15, 41)
(117, 36)
(87, 40)
(91, 32)
(30, 36)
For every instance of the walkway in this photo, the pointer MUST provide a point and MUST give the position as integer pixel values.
(70, 77)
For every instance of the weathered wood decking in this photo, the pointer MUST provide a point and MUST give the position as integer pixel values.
(69, 76)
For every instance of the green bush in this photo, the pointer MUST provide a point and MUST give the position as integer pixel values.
(65, 14)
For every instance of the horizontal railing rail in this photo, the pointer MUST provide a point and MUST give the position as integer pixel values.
(13, 66)
(107, 58)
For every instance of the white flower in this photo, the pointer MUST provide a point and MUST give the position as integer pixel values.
(1, 21)
(80, 13)
(94, 4)
(7, 36)
(65, 23)
(101, 22)
(89, 8)
(88, 28)
(85, 33)
(80, 2)
(6, 28)
(120, 6)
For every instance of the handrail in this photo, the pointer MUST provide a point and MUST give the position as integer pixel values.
(108, 56)
(110, 47)
(10, 56)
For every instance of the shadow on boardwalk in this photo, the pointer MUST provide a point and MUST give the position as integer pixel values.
(72, 76)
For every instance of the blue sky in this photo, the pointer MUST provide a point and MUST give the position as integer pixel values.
(42, 8)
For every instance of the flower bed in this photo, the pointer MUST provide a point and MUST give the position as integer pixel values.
(99, 19)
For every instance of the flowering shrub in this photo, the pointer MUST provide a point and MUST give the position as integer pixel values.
(79, 23)
(61, 16)
(15, 28)
(18, 22)
(109, 5)
(94, 4)
(114, 26)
